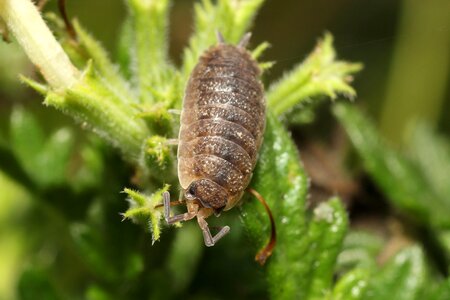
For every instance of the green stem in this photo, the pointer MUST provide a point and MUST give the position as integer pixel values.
(30, 30)
(150, 23)
(417, 83)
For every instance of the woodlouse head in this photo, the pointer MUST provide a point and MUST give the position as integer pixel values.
(208, 193)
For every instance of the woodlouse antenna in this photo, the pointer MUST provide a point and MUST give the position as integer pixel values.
(172, 203)
(69, 26)
(267, 250)
(245, 39)
(220, 38)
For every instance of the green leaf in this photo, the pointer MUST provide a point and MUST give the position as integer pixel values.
(260, 49)
(404, 277)
(352, 286)
(286, 196)
(42, 89)
(102, 63)
(325, 236)
(97, 105)
(152, 71)
(95, 292)
(160, 155)
(124, 55)
(231, 17)
(360, 249)
(134, 265)
(443, 237)
(58, 27)
(143, 209)
(55, 157)
(184, 256)
(302, 264)
(394, 173)
(90, 246)
(13, 61)
(432, 154)
(442, 292)
(157, 117)
(44, 160)
(27, 140)
(89, 174)
(319, 75)
(36, 284)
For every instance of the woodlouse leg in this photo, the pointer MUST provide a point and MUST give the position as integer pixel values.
(192, 211)
(244, 41)
(222, 232)
(174, 111)
(209, 239)
(220, 38)
(172, 142)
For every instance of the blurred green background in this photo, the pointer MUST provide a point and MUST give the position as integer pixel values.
(405, 48)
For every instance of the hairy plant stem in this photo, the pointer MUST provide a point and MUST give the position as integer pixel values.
(30, 30)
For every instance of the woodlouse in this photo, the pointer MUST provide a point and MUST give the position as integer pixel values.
(222, 125)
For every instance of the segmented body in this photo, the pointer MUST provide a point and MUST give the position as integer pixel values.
(222, 124)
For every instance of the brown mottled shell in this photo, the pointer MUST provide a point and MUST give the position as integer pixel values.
(222, 124)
